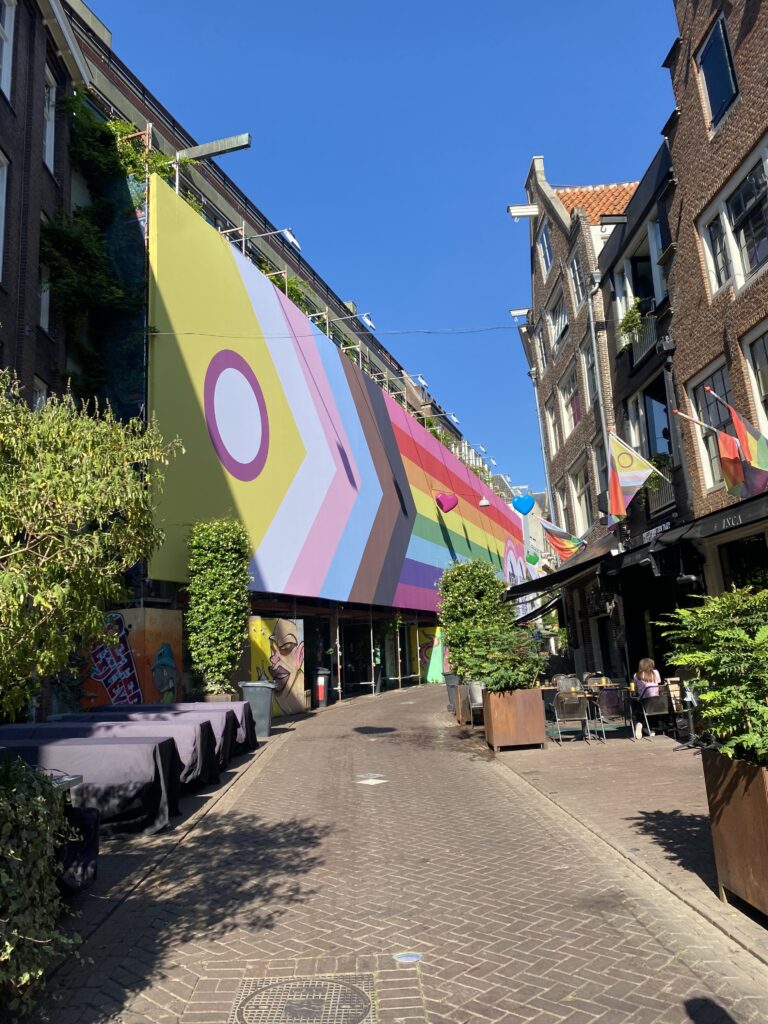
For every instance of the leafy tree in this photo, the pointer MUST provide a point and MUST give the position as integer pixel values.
(506, 657)
(725, 642)
(219, 603)
(76, 511)
(32, 825)
(470, 600)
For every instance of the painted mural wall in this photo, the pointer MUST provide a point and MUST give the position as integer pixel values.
(143, 666)
(277, 655)
(334, 481)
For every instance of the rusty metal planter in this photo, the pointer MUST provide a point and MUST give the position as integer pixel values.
(514, 719)
(463, 710)
(737, 793)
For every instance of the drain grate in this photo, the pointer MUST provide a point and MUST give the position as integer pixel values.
(341, 999)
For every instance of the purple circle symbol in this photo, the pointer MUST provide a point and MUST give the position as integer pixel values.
(236, 415)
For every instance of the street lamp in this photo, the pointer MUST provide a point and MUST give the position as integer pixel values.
(231, 144)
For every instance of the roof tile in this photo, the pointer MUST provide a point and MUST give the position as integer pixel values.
(597, 200)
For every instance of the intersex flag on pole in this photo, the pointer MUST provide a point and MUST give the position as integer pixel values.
(627, 472)
(564, 543)
(753, 444)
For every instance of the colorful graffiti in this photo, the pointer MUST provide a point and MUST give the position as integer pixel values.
(427, 653)
(334, 481)
(277, 654)
(143, 666)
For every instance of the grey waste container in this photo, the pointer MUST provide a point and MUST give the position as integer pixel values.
(451, 682)
(259, 695)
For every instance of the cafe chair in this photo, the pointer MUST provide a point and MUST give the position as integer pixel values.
(571, 707)
(650, 708)
(476, 703)
(566, 683)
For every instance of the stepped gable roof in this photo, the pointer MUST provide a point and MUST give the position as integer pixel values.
(597, 200)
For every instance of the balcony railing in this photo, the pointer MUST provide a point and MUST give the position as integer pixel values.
(660, 497)
(643, 340)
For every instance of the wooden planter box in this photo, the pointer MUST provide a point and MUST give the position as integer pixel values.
(514, 719)
(463, 714)
(737, 793)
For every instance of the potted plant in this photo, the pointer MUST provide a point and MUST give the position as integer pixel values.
(508, 667)
(470, 598)
(724, 643)
(629, 326)
(219, 603)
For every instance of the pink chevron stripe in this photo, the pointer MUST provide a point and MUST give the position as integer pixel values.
(323, 538)
(419, 598)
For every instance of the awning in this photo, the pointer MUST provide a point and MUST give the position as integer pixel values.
(582, 564)
(538, 612)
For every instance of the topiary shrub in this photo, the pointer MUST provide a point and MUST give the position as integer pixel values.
(32, 825)
(219, 604)
(470, 601)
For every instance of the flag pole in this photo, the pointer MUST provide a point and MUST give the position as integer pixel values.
(700, 423)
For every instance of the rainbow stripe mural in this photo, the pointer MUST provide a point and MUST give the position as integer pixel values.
(334, 481)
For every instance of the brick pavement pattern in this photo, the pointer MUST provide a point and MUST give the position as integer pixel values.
(302, 871)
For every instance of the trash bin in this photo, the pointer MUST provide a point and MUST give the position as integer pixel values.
(451, 682)
(322, 681)
(258, 693)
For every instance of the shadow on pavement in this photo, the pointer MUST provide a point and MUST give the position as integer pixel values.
(685, 839)
(231, 874)
(374, 730)
(707, 1011)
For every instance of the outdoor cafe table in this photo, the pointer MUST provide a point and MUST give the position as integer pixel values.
(132, 781)
(222, 721)
(194, 739)
(246, 727)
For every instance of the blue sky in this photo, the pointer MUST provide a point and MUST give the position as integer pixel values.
(392, 135)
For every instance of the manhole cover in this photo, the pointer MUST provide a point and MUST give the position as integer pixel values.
(337, 1000)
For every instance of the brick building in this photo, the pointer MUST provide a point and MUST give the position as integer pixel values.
(718, 140)
(40, 61)
(571, 373)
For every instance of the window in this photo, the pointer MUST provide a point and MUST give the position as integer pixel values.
(553, 433)
(557, 318)
(545, 247)
(561, 498)
(541, 349)
(582, 503)
(734, 230)
(43, 296)
(719, 251)
(716, 69)
(49, 119)
(588, 355)
(758, 357)
(716, 415)
(748, 214)
(3, 196)
(601, 463)
(570, 400)
(577, 280)
(7, 18)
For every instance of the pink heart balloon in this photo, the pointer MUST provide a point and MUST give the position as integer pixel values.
(445, 502)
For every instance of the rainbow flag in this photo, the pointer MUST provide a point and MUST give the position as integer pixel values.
(731, 464)
(754, 445)
(564, 543)
(627, 472)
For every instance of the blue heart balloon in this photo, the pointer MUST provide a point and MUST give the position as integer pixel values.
(523, 504)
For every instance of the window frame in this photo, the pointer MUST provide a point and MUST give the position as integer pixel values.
(691, 387)
(44, 297)
(49, 120)
(748, 342)
(587, 364)
(7, 37)
(578, 282)
(540, 346)
(601, 465)
(556, 341)
(570, 403)
(739, 276)
(715, 117)
(584, 518)
(553, 427)
(546, 254)
(561, 497)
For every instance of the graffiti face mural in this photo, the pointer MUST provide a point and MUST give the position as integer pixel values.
(334, 481)
(277, 654)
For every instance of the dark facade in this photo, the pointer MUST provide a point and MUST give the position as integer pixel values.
(38, 68)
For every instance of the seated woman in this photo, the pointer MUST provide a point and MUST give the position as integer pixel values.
(647, 679)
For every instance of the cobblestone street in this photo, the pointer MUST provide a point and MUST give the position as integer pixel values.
(380, 827)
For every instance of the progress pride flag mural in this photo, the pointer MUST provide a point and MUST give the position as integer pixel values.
(334, 481)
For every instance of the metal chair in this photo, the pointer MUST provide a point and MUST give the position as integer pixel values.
(475, 702)
(565, 684)
(572, 707)
(649, 707)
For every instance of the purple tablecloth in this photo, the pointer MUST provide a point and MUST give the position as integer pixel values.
(134, 783)
(194, 739)
(222, 721)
